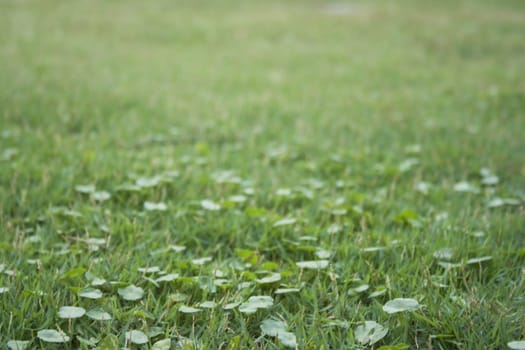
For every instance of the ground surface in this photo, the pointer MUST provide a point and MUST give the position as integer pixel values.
(229, 140)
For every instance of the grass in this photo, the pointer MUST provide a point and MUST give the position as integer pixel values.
(331, 119)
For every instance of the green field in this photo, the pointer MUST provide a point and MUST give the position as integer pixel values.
(224, 174)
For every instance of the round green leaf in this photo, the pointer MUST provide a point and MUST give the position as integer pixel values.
(323, 253)
(285, 222)
(369, 333)
(272, 327)
(136, 337)
(313, 264)
(131, 293)
(517, 345)
(210, 304)
(465, 187)
(286, 290)
(18, 344)
(231, 306)
(149, 269)
(272, 278)
(287, 339)
(443, 253)
(163, 344)
(52, 336)
(256, 302)
(188, 309)
(400, 305)
(85, 188)
(277, 328)
(210, 205)
(91, 293)
(479, 260)
(202, 261)
(71, 312)
(150, 206)
(145, 182)
(100, 196)
(359, 289)
(98, 315)
(168, 278)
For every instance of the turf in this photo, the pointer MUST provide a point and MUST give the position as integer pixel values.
(259, 135)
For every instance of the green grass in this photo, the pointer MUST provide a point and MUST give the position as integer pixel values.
(250, 98)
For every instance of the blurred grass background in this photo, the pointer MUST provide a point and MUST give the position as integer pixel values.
(91, 91)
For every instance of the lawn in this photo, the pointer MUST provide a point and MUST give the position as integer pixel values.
(226, 174)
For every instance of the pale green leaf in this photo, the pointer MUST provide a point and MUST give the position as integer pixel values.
(18, 344)
(202, 261)
(98, 282)
(208, 304)
(100, 196)
(277, 328)
(479, 260)
(98, 315)
(85, 188)
(136, 337)
(359, 289)
(443, 253)
(177, 248)
(150, 206)
(323, 253)
(285, 222)
(210, 205)
(465, 187)
(313, 264)
(52, 336)
(272, 278)
(272, 327)
(91, 342)
(287, 339)
(188, 309)
(163, 344)
(150, 269)
(168, 278)
(231, 306)
(286, 290)
(370, 333)
(400, 305)
(71, 312)
(145, 182)
(91, 293)
(517, 345)
(490, 180)
(256, 302)
(131, 293)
